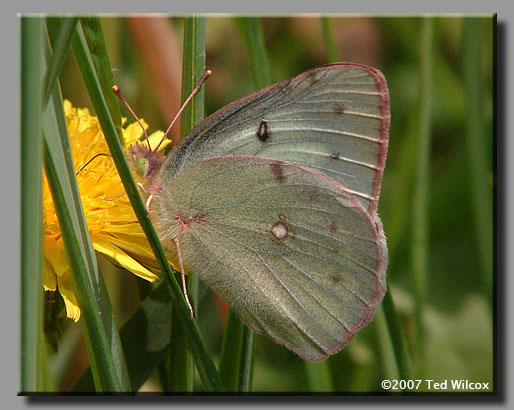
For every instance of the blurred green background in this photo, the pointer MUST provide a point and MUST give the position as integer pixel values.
(458, 314)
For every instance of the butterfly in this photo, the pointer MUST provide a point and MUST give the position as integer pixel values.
(272, 201)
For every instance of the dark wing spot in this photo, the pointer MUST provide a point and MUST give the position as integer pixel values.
(339, 108)
(336, 277)
(335, 155)
(200, 218)
(263, 132)
(278, 172)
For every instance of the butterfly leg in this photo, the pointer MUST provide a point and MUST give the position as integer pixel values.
(179, 253)
(150, 197)
(141, 187)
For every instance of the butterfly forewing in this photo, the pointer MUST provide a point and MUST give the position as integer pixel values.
(333, 119)
(292, 252)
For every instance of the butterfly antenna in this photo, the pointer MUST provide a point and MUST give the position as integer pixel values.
(179, 253)
(193, 93)
(115, 197)
(91, 160)
(87, 163)
(118, 93)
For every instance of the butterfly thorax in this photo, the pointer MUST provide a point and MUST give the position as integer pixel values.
(147, 164)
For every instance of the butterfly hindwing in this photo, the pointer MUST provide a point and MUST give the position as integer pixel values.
(294, 253)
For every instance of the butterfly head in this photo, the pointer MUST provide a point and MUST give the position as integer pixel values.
(146, 164)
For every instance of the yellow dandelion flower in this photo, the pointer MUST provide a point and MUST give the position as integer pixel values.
(112, 224)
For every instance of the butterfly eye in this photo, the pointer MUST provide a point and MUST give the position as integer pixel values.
(141, 166)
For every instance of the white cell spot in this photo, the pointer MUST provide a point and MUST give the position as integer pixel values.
(279, 231)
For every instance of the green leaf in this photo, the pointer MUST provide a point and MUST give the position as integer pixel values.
(333, 54)
(193, 68)
(203, 361)
(319, 376)
(179, 363)
(102, 339)
(238, 340)
(251, 31)
(388, 360)
(398, 341)
(231, 348)
(420, 244)
(236, 363)
(94, 37)
(145, 338)
(31, 284)
(61, 48)
(478, 144)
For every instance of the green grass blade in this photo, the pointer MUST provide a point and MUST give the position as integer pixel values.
(94, 37)
(319, 376)
(261, 72)
(385, 343)
(478, 148)
(333, 54)
(102, 339)
(387, 320)
(172, 368)
(420, 244)
(237, 348)
(231, 349)
(398, 341)
(180, 364)
(203, 361)
(396, 227)
(31, 284)
(193, 68)
(247, 357)
(251, 30)
(145, 338)
(61, 48)
(236, 363)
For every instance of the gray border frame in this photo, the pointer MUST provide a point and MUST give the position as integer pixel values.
(10, 205)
